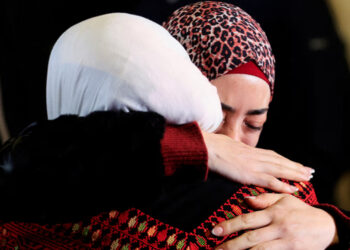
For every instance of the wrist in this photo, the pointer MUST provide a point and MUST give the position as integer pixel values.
(208, 140)
(341, 219)
(332, 227)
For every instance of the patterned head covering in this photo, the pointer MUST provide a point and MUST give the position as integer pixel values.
(220, 37)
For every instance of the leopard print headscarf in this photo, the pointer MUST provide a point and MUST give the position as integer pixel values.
(220, 37)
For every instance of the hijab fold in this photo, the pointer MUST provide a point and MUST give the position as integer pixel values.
(126, 62)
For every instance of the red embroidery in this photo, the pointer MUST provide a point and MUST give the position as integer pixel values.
(133, 229)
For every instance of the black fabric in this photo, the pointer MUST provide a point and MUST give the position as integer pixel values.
(187, 205)
(73, 167)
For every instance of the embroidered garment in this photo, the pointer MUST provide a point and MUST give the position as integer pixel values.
(129, 228)
(133, 229)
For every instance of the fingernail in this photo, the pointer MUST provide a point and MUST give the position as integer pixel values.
(250, 197)
(312, 171)
(294, 189)
(217, 231)
(311, 176)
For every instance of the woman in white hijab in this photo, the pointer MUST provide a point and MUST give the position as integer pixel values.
(103, 147)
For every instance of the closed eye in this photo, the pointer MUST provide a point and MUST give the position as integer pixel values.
(256, 128)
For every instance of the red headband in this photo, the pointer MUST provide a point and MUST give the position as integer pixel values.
(250, 68)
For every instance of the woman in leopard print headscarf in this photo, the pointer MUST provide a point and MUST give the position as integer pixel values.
(233, 52)
(226, 43)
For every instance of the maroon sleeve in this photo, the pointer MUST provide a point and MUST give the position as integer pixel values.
(342, 220)
(184, 151)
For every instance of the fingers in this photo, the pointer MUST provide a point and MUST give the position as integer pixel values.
(242, 222)
(248, 165)
(263, 201)
(281, 171)
(279, 160)
(252, 238)
(252, 220)
(268, 181)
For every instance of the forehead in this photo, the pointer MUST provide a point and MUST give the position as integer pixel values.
(243, 91)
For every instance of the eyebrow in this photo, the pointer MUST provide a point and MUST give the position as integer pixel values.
(228, 108)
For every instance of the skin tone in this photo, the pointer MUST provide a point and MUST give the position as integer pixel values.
(246, 113)
(282, 221)
(244, 118)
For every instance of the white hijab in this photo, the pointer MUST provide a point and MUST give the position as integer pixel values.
(125, 62)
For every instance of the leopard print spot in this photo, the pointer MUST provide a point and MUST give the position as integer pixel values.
(215, 47)
(217, 31)
(226, 52)
(206, 30)
(237, 50)
(224, 35)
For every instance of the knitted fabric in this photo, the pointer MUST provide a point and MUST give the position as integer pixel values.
(176, 146)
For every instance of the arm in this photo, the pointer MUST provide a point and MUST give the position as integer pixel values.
(248, 165)
(232, 159)
(342, 221)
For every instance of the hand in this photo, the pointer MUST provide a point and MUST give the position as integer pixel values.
(248, 165)
(285, 223)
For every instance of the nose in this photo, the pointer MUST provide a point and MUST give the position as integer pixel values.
(234, 134)
(233, 130)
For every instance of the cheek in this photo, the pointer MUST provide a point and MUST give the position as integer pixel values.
(246, 136)
(251, 139)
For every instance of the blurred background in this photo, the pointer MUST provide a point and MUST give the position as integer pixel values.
(310, 39)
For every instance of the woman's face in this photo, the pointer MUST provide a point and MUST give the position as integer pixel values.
(245, 101)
